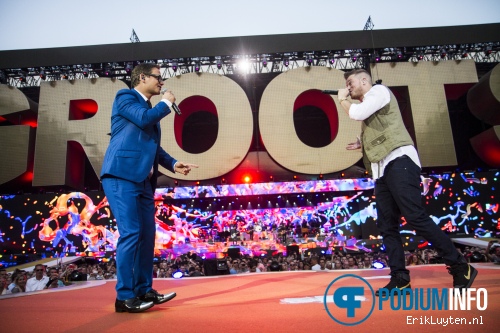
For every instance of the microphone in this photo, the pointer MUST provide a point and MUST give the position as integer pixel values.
(330, 92)
(174, 106)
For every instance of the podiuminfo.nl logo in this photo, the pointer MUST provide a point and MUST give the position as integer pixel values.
(350, 300)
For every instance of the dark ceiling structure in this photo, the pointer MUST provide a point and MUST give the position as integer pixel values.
(267, 53)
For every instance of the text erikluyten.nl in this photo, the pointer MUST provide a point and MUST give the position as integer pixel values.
(443, 321)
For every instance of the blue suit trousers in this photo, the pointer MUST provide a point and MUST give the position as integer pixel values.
(133, 207)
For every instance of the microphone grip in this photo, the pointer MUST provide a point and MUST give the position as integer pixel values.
(176, 109)
(174, 106)
(330, 92)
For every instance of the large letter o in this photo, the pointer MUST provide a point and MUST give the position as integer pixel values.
(278, 131)
(235, 124)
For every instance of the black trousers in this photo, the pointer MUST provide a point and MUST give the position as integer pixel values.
(398, 193)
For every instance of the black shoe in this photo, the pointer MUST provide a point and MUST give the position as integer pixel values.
(463, 275)
(132, 305)
(399, 280)
(156, 297)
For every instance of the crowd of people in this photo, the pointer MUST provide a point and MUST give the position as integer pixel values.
(190, 264)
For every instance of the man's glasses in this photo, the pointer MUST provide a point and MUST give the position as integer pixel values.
(158, 77)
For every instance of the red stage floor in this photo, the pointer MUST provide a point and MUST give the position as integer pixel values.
(254, 302)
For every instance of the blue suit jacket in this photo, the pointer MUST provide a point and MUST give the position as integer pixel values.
(135, 139)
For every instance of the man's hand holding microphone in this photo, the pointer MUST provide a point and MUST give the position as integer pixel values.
(168, 95)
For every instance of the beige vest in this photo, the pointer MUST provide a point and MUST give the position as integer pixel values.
(383, 132)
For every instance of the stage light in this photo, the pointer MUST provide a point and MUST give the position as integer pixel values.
(85, 71)
(64, 76)
(286, 62)
(443, 53)
(107, 71)
(378, 265)
(320, 176)
(22, 76)
(399, 54)
(129, 67)
(488, 50)
(331, 58)
(43, 76)
(175, 65)
(177, 274)
(376, 56)
(420, 55)
(197, 67)
(247, 179)
(309, 60)
(219, 63)
(264, 61)
(355, 57)
(465, 54)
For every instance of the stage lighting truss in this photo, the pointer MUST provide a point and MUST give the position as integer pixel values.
(256, 63)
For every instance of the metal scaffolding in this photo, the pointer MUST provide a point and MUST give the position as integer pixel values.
(257, 63)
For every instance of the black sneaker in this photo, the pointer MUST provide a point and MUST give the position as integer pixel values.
(463, 275)
(399, 280)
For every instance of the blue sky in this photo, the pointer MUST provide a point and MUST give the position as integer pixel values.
(32, 24)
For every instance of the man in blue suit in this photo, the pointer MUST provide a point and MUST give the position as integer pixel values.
(128, 176)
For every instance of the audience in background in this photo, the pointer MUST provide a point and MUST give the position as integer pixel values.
(192, 265)
(4, 282)
(19, 284)
(39, 281)
(492, 251)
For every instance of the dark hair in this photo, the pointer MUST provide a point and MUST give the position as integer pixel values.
(356, 72)
(145, 69)
(275, 267)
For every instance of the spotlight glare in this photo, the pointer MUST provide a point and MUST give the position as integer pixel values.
(244, 66)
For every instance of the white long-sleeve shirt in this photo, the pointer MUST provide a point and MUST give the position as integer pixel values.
(375, 99)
